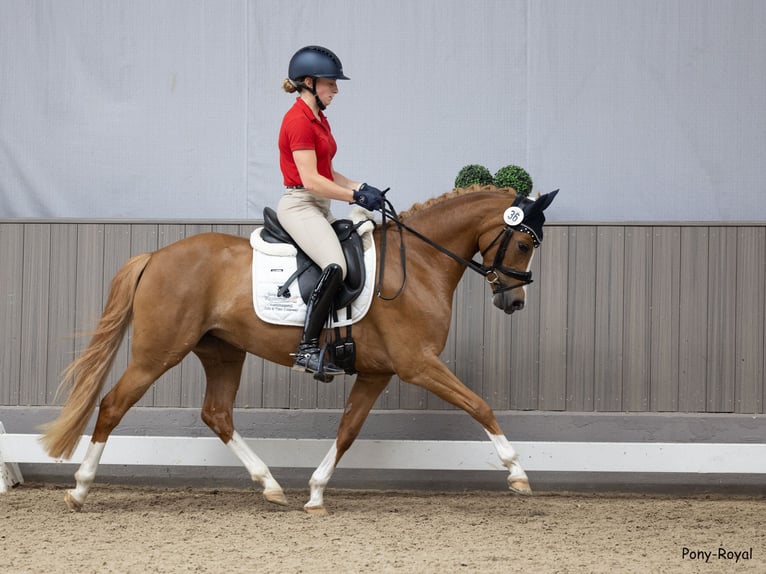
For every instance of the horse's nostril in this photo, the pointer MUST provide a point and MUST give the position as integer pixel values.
(517, 305)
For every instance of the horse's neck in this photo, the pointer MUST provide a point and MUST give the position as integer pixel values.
(453, 224)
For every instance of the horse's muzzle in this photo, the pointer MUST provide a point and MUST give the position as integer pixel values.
(508, 301)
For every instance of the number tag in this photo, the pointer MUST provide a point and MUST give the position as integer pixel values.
(513, 215)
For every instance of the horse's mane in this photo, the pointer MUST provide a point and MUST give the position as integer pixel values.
(452, 194)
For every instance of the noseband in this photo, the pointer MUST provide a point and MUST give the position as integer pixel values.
(491, 273)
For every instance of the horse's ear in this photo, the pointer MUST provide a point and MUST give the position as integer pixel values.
(545, 200)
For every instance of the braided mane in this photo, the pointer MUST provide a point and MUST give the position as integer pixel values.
(452, 194)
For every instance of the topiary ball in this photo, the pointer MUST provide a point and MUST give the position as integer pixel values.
(473, 174)
(515, 177)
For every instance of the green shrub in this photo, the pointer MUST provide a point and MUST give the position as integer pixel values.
(515, 177)
(473, 174)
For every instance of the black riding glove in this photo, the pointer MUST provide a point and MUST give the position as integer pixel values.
(371, 198)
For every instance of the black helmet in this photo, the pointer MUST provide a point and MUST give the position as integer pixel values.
(315, 62)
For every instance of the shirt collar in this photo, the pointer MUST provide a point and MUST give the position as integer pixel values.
(308, 111)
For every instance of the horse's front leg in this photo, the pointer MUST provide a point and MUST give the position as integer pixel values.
(364, 393)
(433, 375)
(517, 478)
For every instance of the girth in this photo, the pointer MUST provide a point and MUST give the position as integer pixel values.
(308, 272)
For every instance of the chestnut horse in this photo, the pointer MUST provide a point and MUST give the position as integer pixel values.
(195, 295)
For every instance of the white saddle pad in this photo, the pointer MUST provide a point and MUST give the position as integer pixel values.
(274, 263)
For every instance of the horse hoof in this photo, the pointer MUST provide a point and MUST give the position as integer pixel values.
(315, 510)
(520, 486)
(275, 496)
(72, 503)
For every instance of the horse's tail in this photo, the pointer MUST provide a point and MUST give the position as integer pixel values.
(87, 373)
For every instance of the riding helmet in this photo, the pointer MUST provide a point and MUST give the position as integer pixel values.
(315, 62)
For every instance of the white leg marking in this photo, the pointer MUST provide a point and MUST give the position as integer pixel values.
(258, 470)
(508, 457)
(87, 472)
(321, 477)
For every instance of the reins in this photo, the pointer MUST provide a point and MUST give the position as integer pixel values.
(490, 273)
(389, 211)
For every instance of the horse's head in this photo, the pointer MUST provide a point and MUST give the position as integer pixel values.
(507, 249)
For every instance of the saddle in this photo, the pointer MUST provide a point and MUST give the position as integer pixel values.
(308, 272)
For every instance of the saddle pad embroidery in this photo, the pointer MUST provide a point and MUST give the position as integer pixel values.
(273, 264)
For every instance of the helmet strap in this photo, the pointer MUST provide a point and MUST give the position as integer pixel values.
(313, 90)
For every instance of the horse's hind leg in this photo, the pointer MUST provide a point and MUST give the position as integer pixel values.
(364, 393)
(223, 370)
(129, 389)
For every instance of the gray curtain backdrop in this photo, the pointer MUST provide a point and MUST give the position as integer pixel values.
(648, 110)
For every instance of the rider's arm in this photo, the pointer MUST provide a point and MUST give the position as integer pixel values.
(342, 188)
(343, 181)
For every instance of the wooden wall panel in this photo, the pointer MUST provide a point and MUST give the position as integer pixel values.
(693, 323)
(250, 393)
(610, 269)
(303, 391)
(722, 318)
(11, 297)
(34, 314)
(276, 386)
(750, 330)
(333, 395)
(552, 292)
(581, 318)
(61, 304)
(637, 305)
(524, 374)
(619, 318)
(665, 317)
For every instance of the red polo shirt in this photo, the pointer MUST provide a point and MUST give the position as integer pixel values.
(301, 130)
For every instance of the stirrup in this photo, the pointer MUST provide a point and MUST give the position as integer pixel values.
(312, 360)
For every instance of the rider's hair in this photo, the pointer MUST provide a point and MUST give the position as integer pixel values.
(289, 86)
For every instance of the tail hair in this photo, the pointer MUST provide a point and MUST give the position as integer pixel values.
(86, 375)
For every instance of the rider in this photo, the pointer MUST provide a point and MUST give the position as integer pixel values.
(306, 150)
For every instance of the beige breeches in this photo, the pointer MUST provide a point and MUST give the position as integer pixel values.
(307, 217)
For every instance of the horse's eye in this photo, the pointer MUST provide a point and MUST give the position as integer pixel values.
(524, 248)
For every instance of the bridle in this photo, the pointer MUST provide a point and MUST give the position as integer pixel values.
(491, 272)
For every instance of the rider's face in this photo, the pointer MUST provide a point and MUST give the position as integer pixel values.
(326, 89)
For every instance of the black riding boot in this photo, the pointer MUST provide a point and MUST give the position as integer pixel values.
(309, 357)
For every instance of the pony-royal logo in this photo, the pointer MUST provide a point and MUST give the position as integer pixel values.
(721, 554)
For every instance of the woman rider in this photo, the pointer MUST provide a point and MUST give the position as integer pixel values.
(306, 151)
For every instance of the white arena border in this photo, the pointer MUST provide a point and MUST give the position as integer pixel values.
(644, 457)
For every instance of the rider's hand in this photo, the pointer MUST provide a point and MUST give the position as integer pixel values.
(371, 198)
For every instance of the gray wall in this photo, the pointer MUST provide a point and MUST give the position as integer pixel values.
(620, 318)
(640, 111)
